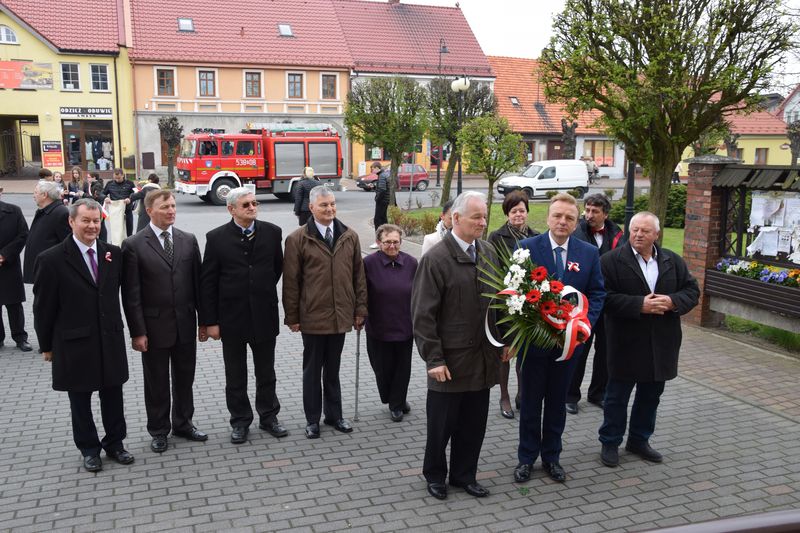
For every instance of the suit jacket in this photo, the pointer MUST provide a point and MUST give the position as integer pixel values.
(50, 226)
(80, 320)
(238, 285)
(160, 297)
(612, 236)
(588, 280)
(13, 233)
(644, 347)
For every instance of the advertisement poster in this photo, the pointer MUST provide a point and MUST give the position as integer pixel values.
(52, 155)
(25, 75)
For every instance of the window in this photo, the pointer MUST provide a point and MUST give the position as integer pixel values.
(185, 24)
(548, 173)
(99, 77)
(208, 82)
(245, 148)
(373, 153)
(602, 152)
(323, 158)
(208, 148)
(70, 77)
(761, 156)
(252, 84)
(294, 82)
(285, 30)
(514, 101)
(227, 147)
(7, 35)
(289, 159)
(328, 82)
(165, 81)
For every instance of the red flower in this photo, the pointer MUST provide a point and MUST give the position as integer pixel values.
(539, 274)
(566, 306)
(548, 307)
(556, 286)
(533, 296)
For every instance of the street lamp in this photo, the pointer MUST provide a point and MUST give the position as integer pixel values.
(460, 86)
(442, 50)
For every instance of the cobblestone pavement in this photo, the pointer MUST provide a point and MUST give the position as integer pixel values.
(728, 427)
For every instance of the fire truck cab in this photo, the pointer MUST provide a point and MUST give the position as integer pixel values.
(264, 157)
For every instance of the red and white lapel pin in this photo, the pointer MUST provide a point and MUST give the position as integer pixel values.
(108, 256)
(572, 266)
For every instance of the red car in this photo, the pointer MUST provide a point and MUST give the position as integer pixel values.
(404, 178)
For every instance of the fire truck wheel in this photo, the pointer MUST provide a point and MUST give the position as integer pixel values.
(220, 191)
(206, 198)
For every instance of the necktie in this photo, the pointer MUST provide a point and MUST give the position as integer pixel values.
(471, 252)
(248, 233)
(559, 262)
(329, 237)
(167, 245)
(93, 264)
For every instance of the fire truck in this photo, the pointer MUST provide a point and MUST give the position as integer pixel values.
(264, 157)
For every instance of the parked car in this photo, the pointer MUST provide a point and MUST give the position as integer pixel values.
(560, 175)
(421, 178)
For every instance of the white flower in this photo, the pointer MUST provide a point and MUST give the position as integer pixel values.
(515, 277)
(520, 255)
(515, 303)
(545, 286)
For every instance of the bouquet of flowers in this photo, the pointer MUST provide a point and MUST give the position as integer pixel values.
(535, 306)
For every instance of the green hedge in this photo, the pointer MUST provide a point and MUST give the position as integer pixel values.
(676, 207)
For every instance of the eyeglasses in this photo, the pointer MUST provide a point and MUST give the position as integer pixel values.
(245, 205)
(390, 243)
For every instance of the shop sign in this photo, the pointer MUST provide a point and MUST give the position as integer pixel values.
(85, 112)
(26, 75)
(52, 155)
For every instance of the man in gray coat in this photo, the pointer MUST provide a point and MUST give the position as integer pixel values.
(448, 314)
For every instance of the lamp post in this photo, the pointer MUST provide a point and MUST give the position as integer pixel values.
(629, 188)
(442, 50)
(460, 86)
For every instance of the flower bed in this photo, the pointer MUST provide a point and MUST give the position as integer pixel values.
(754, 284)
(761, 272)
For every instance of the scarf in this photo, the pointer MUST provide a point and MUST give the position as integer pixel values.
(518, 234)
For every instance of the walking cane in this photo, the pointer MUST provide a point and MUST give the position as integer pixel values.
(358, 356)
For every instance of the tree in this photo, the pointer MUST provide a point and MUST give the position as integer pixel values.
(568, 138)
(731, 141)
(172, 133)
(390, 113)
(491, 148)
(793, 132)
(449, 110)
(709, 141)
(662, 72)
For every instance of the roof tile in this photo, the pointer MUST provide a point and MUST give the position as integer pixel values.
(757, 123)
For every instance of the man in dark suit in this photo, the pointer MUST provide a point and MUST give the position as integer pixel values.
(79, 325)
(50, 224)
(545, 380)
(242, 264)
(13, 232)
(160, 297)
(596, 229)
(649, 288)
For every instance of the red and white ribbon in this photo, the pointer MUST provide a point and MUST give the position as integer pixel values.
(577, 323)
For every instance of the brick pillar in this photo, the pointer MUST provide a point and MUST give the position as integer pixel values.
(703, 228)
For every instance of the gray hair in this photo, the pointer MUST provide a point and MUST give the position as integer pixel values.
(647, 214)
(319, 190)
(235, 194)
(50, 188)
(90, 204)
(461, 201)
(383, 229)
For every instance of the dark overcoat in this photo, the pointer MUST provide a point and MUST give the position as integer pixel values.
(644, 347)
(50, 226)
(504, 241)
(13, 233)
(80, 320)
(612, 237)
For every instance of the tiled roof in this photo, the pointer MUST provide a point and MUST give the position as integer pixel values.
(757, 123)
(516, 77)
(81, 26)
(404, 38)
(239, 32)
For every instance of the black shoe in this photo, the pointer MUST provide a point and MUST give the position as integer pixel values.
(339, 425)
(25, 346)
(159, 444)
(274, 428)
(517, 402)
(406, 408)
(506, 414)
(609, 455)
(92, 463)
(312, 431)
(473, 489)
(572, 408)
(239, 434)
(121, 456)
(193, 434)
(555, 471)
(522, 472)
(396, 414)
(644, 451)
(438, 490)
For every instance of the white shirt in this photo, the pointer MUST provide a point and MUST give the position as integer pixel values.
(649, 268)
(322, 229)
(598, 238)
(554, 245)
(464, 244)
(158, 231)
(251, 227)
(83, 248)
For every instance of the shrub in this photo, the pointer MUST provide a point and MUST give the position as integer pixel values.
(550, 194)
(676, 208)
(617, 213)
(428, 222)
(408, 224)
(575, 193)
(610, 193)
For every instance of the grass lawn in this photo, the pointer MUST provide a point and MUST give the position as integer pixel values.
(537, 219)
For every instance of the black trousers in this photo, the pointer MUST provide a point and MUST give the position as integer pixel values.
(303, 217)
(84, 431)
(16, 321)
(391, 362)
(234, 352)
(129, 221)
(380, 214)
(156, 365)
(460, 418)
(322, 393)
(597, 387)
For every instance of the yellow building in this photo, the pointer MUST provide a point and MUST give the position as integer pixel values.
(65, 96)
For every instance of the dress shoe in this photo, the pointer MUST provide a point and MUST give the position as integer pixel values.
(92, 463)
(644, 451)
(572, 408)
(25, 346)
(312, 431)
(274, 428)
(159, 444)
(506, 413)
(555, 471)
(522, 472)
(121, 456)
(609, 455)
(193, 434)
(438, 490)
(406, 408)
(474, 489)
(239, 434)
(339, 425)
(396, 414)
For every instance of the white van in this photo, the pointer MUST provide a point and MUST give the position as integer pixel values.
(549, 175)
